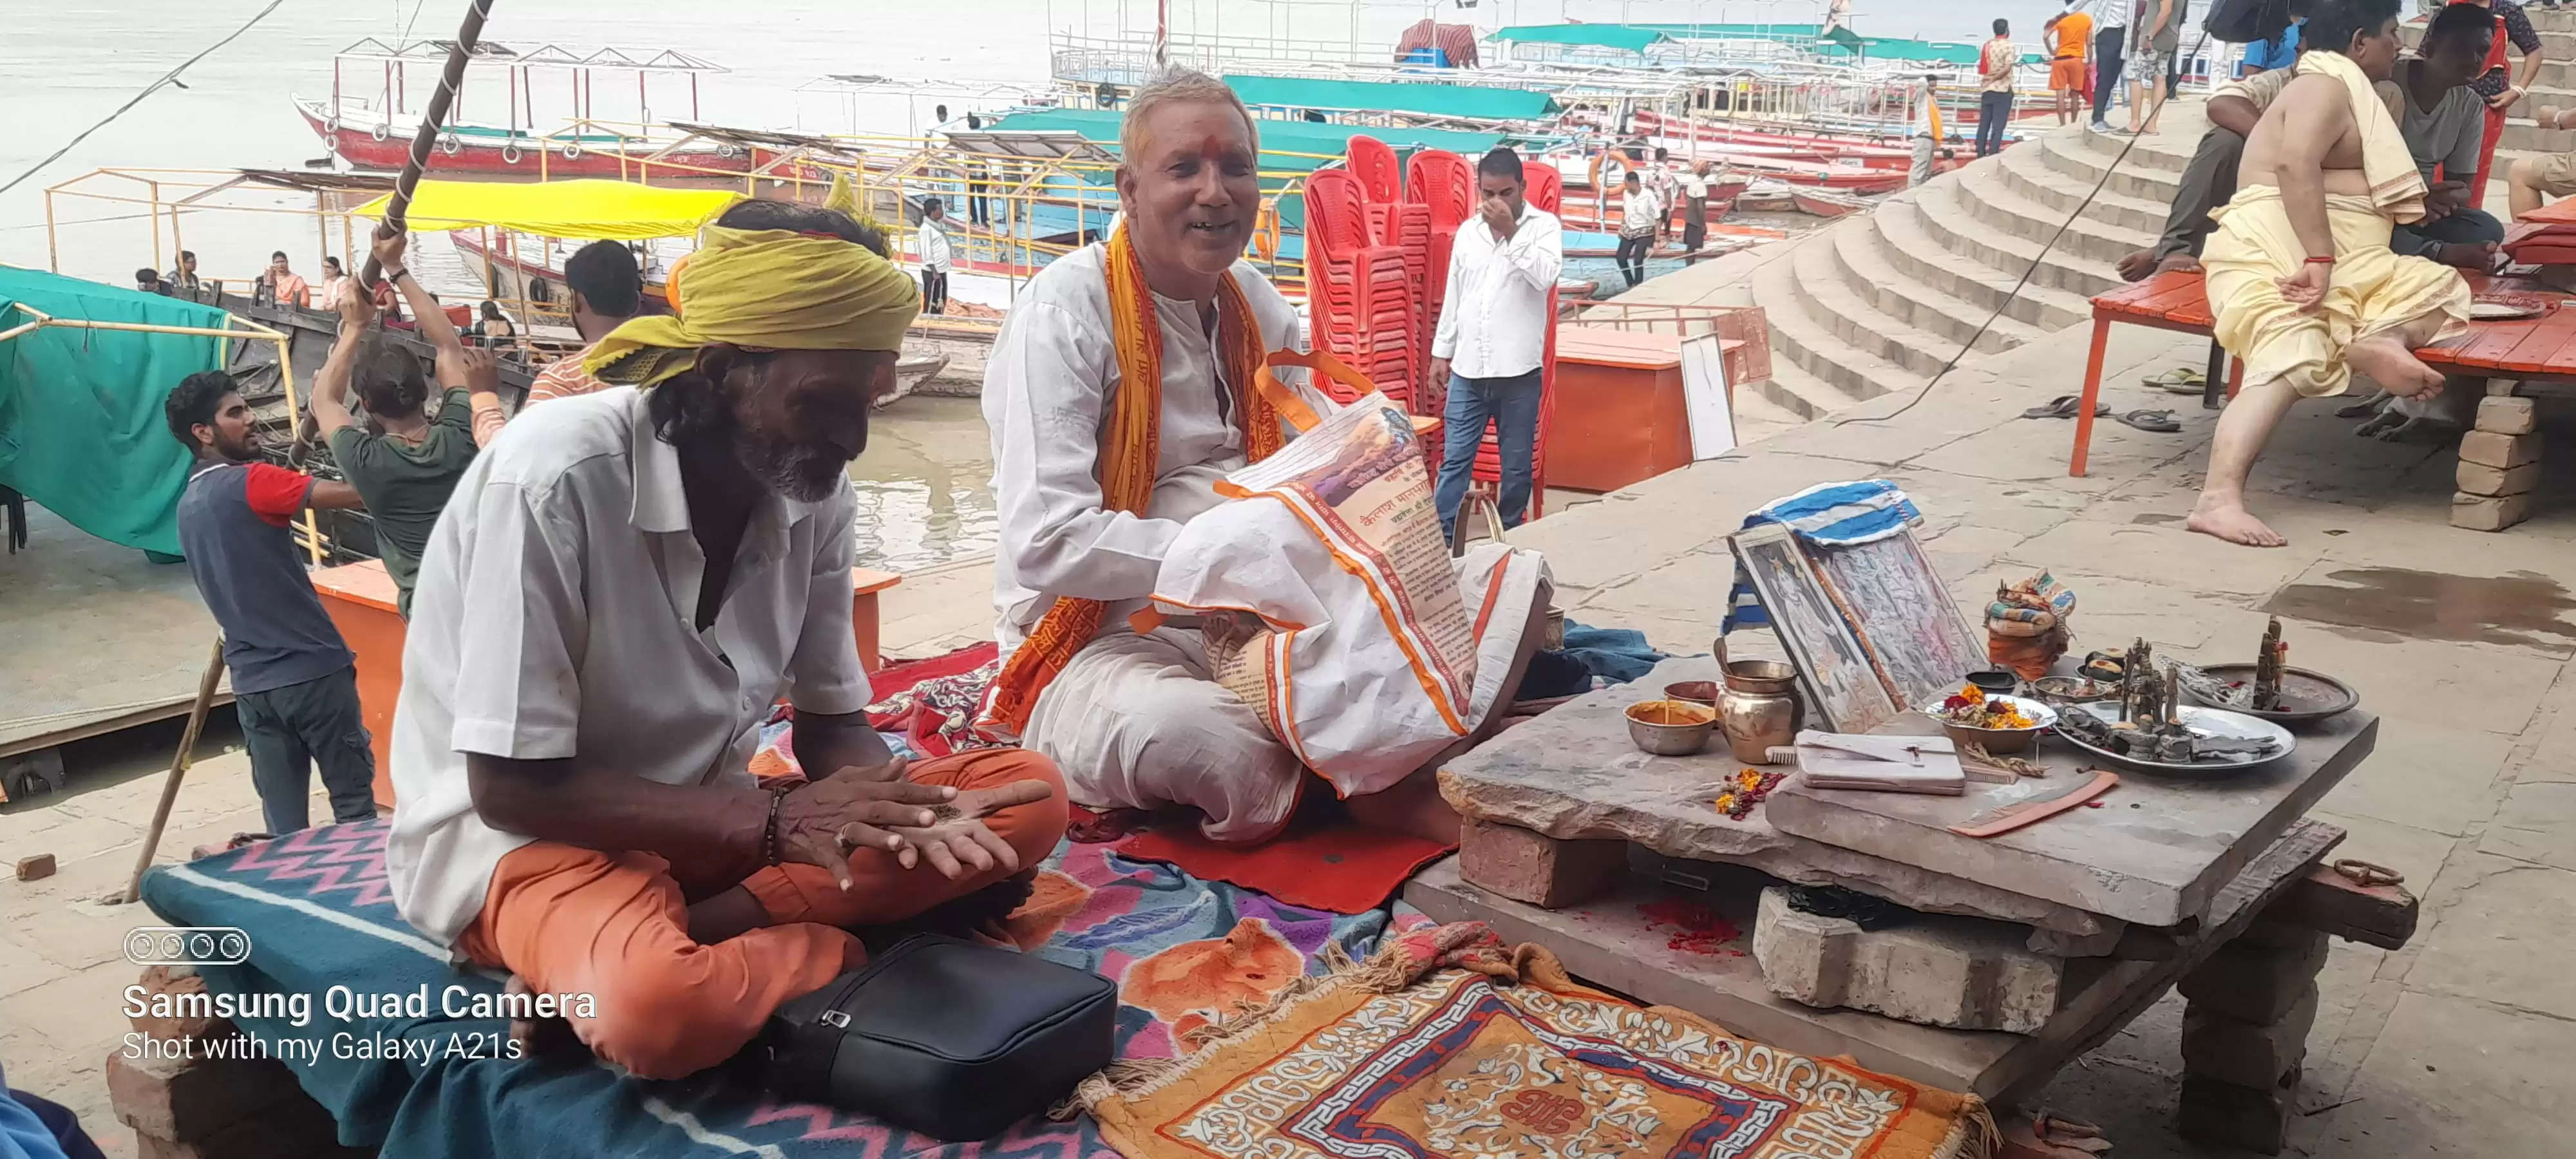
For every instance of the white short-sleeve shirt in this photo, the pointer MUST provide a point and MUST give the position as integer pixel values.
(555, 618)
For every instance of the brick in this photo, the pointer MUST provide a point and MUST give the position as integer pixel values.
(2508, 415)
(2256, 984)
(2502, 387)
(2488, 448)
(2226, 1115)
(2248, 1054)
(2478, 479)
(1531, 867)
(178, 980)
(1934, 969)
(36, 868)
(2378, 915)
(189, 1099)
(2485, 513)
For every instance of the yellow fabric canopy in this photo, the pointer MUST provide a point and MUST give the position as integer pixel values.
(596, 208)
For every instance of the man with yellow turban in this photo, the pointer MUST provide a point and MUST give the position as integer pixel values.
(621, 587)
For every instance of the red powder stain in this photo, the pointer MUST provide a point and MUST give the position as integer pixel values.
(1698, 929)
(2092, 804)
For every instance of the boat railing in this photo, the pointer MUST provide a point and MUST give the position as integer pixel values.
(1744, 324)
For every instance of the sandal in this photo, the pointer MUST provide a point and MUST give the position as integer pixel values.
(2064, 406)
(2180, 380)
(2159, 421)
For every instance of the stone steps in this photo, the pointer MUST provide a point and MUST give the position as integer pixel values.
(2026, 171)
(1860, 254)
(1793, 391)
(1990, 201)
(2165, 153)
(1846, 373)
(2130, 179)
(1957, 231)
(1819, 280)
(1909, 246)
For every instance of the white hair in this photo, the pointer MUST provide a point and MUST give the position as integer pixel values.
(1176, 84)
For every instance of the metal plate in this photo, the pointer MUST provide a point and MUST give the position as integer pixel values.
(2038, 711)
(2318, 695)
(2213, 722)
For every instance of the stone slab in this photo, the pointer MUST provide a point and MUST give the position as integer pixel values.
(1572, 774)
(2508, 415)
(2155, 853)
(1609, 943)
(1934, 969)
(2487, 448)
(2488, 512)
(2478, 480)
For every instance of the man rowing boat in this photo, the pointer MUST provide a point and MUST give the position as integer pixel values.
(2301, 279)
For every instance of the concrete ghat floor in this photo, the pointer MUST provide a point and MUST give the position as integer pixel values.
(2450, 1047)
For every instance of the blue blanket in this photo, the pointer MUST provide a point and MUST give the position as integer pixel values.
(422, 1084)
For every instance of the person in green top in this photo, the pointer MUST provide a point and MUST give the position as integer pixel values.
(406, 472)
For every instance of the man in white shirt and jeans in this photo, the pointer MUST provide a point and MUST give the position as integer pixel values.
(1493, 333)
(930, 243)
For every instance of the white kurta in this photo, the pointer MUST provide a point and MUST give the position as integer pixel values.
(1133, 721)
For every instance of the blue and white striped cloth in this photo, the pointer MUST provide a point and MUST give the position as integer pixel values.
(1827, 515)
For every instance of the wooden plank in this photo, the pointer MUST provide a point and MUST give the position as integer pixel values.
(2322, 899)
(2183, 302)
(2488, 342)
(2544, 344)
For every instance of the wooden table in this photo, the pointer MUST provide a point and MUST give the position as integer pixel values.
(2542, 348)
(2185, 869)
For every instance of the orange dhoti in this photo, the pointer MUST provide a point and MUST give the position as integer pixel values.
(616, 926)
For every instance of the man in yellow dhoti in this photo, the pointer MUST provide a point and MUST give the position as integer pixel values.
(2301, 279)
(1122, 390)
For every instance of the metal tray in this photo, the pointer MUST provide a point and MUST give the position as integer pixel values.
(2207, 721)
(2322, 695)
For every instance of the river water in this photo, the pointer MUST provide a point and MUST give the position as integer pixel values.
(924, 482)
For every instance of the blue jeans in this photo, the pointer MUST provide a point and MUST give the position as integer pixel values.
(1512, 405)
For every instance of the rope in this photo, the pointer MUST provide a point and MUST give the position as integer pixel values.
(2044, 247)
(170, 77)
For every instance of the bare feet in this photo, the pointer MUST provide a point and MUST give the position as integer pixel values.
(2178, 262)
(2136, 266)
(2227, 519)
(2384, 359)
(1413, 805)
(2468, 255)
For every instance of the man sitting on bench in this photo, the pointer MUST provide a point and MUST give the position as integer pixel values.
(2302, 282)
(2437, 115)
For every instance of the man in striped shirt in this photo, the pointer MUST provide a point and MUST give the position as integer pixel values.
(606, 289)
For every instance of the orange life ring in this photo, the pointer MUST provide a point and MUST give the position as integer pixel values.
(1265, 230)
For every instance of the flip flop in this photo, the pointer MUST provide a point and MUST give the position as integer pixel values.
(2160, 421)
(2064, 406)
(2179, 380)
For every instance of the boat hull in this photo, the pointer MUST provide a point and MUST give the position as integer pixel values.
(361, 148)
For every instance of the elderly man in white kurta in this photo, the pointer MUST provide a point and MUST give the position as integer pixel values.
(1167, 297)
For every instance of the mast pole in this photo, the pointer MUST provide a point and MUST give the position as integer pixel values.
(430, 119)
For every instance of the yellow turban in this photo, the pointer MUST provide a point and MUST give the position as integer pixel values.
(763, 287)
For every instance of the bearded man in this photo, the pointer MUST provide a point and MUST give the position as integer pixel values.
(622, 585)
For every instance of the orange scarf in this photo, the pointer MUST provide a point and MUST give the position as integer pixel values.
(1131, 453)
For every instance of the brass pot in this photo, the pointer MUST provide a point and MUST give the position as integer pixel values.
(1758, 709)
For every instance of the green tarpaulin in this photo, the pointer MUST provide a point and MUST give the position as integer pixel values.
(1620, 36)
(81, 430)
(1435, 100)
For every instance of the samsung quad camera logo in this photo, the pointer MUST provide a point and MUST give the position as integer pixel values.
(187, 946)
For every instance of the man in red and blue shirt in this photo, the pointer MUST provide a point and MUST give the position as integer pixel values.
(295, 683)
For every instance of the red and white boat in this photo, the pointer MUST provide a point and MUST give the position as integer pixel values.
(366, 138)
(1820, 203)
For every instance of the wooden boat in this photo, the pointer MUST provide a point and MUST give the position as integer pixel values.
(1768, 197)
(366, 138)
(1821, 203)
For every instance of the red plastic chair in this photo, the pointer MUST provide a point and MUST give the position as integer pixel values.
(1373, 162)
(1444, 181)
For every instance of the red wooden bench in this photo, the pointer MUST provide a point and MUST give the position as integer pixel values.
(2541, 348)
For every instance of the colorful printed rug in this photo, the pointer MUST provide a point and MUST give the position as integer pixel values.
(1430, 1049)
(424, 1085)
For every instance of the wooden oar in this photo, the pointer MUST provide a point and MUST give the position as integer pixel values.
(431, 120)
(178, 768)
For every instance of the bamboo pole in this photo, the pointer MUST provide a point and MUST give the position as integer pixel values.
(427, 138)
(187, 755)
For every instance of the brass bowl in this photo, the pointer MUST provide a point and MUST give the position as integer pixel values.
(1671, 728)
(1694, 691)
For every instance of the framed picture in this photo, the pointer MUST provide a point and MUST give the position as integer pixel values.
(1917, 641)
(1842, 688)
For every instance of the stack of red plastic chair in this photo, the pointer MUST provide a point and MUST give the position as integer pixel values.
(1373, 162)
(1445, 186)
(1361, 298)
